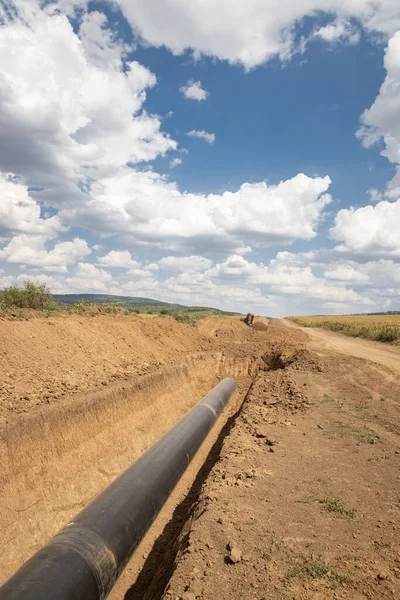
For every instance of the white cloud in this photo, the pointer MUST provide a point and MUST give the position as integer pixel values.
(208, 137)
(175, 162)
(193, 91)
(370, 231)
(346, 272)
(120, 259)
(150, 211)
(375, 195)
(282, 276)
(251, 32)
(88, 278)
(70, 108)
(30, 250)
(381, 122)
(19, 213)
(185, 263)
(339, 30)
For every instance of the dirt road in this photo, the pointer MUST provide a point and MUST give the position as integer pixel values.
(328, 340)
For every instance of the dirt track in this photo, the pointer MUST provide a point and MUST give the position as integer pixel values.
(321, 339)
(302, 483)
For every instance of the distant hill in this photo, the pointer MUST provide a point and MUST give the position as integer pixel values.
(138, 303)
(106, 299)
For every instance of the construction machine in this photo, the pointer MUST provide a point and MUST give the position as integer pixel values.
(248, 319)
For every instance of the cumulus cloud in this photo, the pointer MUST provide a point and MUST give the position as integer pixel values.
(185, 263)
(70, 107)
(381, 122)
(20, 213)
(283, 276)
(203, 135)
(346, 272)
(30, 250)
(251, 32)
(87, 277)
(120, 259)
(370, 231)
(151, 211)
(193, 91)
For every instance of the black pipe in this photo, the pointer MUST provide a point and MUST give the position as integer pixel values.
(84, 560)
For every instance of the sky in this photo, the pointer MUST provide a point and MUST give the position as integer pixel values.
(240, 155)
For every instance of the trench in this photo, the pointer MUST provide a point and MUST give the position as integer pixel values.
(57, 459)
(160, 564)
(154, 577)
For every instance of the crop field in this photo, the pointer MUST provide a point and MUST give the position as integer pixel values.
(382, 328)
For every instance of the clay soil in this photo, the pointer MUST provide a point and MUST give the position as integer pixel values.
(299, 497)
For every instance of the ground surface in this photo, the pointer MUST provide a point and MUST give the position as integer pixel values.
(299, 496)
(305, 496)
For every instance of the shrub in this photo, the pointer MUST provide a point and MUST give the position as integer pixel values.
(31, 295)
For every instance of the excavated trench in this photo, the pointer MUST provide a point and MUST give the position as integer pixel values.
(57, 459)
(159, 566)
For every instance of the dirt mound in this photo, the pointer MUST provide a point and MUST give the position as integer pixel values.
(259, 326)
(46, 360)
(304, 360)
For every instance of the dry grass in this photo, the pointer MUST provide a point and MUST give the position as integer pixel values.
(382, 328)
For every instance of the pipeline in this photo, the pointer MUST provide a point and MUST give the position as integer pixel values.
(84, 560)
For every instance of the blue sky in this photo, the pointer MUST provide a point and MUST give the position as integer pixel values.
(285, 197)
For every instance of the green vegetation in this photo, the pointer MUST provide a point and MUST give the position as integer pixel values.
(330, 504)
(337, 506)
(31, 295)
(315, 569)
(345, 430)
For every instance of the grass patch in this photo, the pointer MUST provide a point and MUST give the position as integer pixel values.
(315, 569)
(330, 504)
(344, 430)
(336, 505)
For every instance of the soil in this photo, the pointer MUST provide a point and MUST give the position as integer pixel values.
(295, 495)
(46, 360)
(303, 502)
